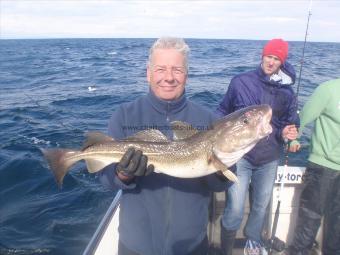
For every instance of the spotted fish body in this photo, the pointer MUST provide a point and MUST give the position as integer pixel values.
(191, 154)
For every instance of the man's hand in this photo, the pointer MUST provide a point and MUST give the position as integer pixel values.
(133, 163)
(290, 132)
(294, 146)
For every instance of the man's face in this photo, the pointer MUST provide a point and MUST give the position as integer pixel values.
(167, 74)
(270, 64)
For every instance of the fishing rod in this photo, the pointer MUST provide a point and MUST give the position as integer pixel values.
(275, 243)
(303, 52)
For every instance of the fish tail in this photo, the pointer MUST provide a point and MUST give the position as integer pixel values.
(60, 161)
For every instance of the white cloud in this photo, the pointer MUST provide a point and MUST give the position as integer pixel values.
(198, 19)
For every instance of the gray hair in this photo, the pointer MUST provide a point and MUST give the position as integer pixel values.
(171, 43)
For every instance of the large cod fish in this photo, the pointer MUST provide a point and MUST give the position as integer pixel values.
(191, 154)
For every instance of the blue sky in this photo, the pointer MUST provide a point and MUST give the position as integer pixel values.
(226, 19)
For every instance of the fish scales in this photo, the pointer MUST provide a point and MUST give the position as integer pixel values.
(191, 154)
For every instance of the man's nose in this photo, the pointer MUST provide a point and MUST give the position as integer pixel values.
(271, 62)
(169, 75)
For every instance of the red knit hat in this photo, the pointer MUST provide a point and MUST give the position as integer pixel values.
(276, 47)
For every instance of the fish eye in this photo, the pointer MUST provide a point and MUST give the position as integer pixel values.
(245, 121)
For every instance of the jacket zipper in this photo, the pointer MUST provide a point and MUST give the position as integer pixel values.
(167, 219)
(167, 112)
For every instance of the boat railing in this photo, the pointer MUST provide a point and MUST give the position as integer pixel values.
(102, 228)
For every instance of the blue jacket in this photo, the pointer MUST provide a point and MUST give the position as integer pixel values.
(160, 214)
(254, 88)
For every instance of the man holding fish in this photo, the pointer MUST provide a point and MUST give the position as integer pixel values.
(159, 212)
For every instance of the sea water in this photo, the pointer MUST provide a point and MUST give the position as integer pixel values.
(45, 102)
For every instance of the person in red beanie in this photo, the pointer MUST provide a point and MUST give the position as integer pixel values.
(274, 54)
(271, 83)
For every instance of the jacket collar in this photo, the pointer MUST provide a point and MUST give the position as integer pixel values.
(286, 68)
(166, 107)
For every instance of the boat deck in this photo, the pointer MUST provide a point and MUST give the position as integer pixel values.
(237, 251)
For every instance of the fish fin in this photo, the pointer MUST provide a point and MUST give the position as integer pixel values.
(60, 161)
(182, 130)
(94, 165)
(218, 164)
(93, 138)
(230, 175)
(148, 135)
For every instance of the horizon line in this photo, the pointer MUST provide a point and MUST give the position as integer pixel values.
(196, 38)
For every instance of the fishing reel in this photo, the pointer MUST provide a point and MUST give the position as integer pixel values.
(275, 244)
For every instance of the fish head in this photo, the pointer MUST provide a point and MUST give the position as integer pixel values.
(242, 129)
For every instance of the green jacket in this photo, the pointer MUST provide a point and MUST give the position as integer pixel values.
(323, 107)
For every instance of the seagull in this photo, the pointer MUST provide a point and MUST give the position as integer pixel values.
(91, 88)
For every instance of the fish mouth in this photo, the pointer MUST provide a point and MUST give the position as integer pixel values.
(266, 128)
